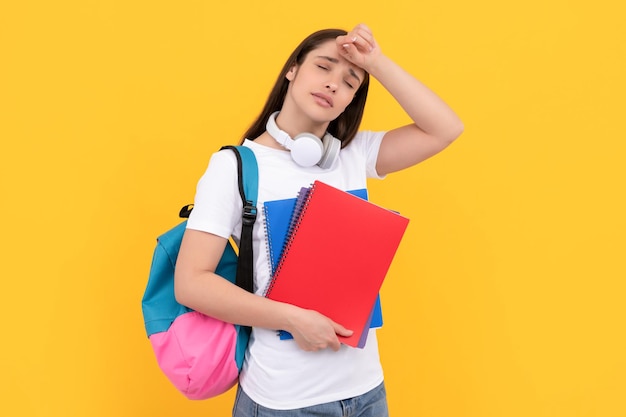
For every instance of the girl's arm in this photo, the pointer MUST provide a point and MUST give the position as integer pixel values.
(198, 287)
(435, 124)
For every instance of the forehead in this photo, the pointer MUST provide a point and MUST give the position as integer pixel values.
(329, 49)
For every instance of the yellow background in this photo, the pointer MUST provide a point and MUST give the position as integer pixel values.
(506, 297)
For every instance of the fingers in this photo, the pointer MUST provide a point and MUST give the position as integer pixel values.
(341, 331)
(360, 37)
(334, 342)
(363, 38)
(335, 345)
(324, 337)
(359, 47)
(331, 343)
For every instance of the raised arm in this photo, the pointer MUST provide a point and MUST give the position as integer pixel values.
(435, 125)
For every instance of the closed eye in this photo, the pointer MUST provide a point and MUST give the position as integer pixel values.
(335, 61)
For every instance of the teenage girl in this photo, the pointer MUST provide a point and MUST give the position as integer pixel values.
(321, 91)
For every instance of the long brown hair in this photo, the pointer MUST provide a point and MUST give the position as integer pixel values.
(343, 127)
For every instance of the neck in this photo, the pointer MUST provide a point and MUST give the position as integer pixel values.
(267, 140)
(296, 123)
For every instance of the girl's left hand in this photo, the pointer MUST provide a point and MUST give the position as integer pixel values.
(359, 47)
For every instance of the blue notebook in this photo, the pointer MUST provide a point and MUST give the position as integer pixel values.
(278, 216)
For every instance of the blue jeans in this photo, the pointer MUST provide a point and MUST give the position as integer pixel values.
(370, 404)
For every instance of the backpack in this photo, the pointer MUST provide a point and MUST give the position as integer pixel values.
(200, 355)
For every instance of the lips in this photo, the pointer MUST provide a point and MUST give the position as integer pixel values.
(323, 99)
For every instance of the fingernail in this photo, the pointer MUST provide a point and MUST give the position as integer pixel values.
(354, 39)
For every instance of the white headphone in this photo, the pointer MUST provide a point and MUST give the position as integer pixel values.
(306, 148)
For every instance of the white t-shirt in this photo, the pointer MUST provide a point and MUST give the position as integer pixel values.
(277, 373)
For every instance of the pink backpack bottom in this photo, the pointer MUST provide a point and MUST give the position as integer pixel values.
(197, 354)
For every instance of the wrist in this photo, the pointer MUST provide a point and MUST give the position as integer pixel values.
(377, 66)
(287, 316)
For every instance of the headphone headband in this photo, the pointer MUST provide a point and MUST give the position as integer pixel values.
(279, 135)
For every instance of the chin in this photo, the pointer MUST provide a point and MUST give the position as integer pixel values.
(323, 115)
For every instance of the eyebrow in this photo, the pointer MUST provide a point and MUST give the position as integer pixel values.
(336, 61)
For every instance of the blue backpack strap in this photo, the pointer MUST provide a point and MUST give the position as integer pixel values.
(250, 174)
(248, 171)
(249, 190)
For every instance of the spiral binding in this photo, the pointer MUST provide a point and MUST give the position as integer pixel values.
(304, 195)
(268, 241)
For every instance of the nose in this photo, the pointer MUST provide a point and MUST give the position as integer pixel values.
(332, 86)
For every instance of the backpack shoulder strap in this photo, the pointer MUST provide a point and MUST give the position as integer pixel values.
(248, 182)
(248, 170)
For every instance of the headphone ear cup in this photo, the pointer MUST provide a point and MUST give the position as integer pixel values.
(332, 146)
(307, 150)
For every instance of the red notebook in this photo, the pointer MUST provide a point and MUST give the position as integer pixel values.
(336, 257)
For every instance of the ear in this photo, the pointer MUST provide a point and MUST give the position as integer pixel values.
(291, 74)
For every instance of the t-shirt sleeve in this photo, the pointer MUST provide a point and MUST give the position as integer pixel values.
(217, 204)
(370, 141)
